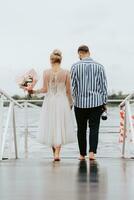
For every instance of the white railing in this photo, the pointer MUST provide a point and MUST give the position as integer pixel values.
(128, 121)
(10, 118)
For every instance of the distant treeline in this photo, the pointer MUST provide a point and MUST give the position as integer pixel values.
(118, 95)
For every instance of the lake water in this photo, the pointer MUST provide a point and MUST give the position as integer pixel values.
(108, 137)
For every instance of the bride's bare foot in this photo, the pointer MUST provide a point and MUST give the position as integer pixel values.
(81, 157)
(91, 156)
(57, 159)
(57, 153)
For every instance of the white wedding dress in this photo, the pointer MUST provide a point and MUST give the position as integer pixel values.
(56, 124)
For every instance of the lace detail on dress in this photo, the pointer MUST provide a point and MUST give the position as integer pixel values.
(58, 83)
(53, 84)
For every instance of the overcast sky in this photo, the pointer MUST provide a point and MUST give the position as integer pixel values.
(31, 29)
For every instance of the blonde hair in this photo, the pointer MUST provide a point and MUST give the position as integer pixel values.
(56, 56)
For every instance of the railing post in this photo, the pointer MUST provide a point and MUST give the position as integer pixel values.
(130, 120)
(6, 129)
(124, 135)
(26, 125)
(14, 133)
(10, 116)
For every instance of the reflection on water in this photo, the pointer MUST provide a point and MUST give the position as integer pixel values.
(92, 175)
(82, 171)
(92, 180)
(94, 172)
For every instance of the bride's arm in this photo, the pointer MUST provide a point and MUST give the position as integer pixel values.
(68, 88)
(44, 88)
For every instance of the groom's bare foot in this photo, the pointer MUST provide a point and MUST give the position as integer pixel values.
(81, 157)
(91, 156)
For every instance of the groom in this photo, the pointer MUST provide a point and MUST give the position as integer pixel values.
(89, 88)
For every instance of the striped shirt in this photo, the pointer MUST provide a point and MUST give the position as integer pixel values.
(89, 84)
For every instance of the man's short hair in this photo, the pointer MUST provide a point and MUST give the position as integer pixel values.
(83, 48)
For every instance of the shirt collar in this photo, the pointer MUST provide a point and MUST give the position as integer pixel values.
(87, 58)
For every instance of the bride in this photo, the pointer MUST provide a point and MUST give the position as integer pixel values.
(56, 127)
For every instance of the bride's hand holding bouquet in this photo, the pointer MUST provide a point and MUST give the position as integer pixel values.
(27, 81)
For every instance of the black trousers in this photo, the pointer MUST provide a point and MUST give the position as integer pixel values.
(83, 116)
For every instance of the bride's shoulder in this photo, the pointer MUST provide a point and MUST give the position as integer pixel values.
(46, 71)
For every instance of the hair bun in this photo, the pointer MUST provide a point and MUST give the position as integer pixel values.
(57, 52)
(56, 56)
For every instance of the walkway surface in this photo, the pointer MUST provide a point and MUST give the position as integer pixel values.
(42, 179)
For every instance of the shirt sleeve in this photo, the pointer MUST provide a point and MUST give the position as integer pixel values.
(103, 83)
(73, 81)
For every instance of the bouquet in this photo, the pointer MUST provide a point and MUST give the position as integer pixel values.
(27, 81)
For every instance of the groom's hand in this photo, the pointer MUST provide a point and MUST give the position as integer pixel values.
(104, 108)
